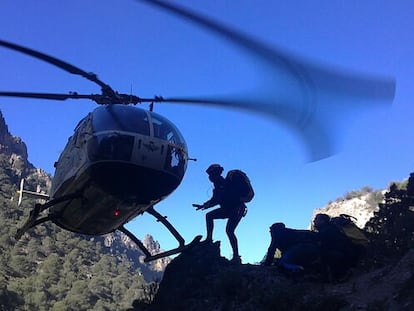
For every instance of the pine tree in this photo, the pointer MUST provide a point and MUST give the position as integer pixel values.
(392, 227)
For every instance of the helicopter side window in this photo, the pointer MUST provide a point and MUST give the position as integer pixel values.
(121, 118)
(176, 161)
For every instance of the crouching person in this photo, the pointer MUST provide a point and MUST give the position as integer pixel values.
(338, 253)
(298, 249)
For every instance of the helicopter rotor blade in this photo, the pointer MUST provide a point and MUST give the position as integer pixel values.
(315, 81)
(331, 79)
(319, 140)
(97, 98)
(316, 134)
(51, 96)
(106, 89)
(322, 90)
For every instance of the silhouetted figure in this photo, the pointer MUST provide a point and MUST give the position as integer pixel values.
(299, 248)
(231, 199)
(338, 253)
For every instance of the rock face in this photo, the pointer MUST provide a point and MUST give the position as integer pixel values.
(362, 207)
(117, 241)
(14, 154)
(11, 145)
(154, 248)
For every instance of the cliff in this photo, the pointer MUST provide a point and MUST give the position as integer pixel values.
(14, 158)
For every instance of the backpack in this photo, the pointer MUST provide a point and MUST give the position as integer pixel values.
(239, 184)
(347, 225)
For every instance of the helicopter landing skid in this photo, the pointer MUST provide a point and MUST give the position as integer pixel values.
(148, 256)
(33, 219)
(175, 250)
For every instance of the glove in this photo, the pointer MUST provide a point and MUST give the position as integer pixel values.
(198, 206)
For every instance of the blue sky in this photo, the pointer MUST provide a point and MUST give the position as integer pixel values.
(138, 49)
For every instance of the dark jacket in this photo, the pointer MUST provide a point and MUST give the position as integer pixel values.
(225, 195)
(285, 238)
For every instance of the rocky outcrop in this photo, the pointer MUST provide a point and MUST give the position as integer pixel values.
(14, 152)
(11, 144)
(14, 148)
(200, 279)
(117, 241)
(360, 207)
(154, 248)
(383, 279)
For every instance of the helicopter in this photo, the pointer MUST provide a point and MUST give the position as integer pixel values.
(123, 160)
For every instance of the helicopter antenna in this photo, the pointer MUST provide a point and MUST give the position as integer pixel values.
(130, 94)
(151, 106)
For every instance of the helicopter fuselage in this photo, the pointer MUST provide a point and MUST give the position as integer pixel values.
(120, 161)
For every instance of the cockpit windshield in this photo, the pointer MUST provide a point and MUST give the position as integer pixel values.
(164, 129)
(120, 118)
(131, 119)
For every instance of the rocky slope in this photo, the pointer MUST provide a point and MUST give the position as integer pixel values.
(361, 206)
(200, 279)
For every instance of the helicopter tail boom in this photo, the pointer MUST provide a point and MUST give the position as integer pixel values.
(31, 193)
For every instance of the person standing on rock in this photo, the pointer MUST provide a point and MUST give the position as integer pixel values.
(231, 194)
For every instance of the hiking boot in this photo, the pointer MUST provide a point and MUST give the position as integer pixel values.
(207, 241)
